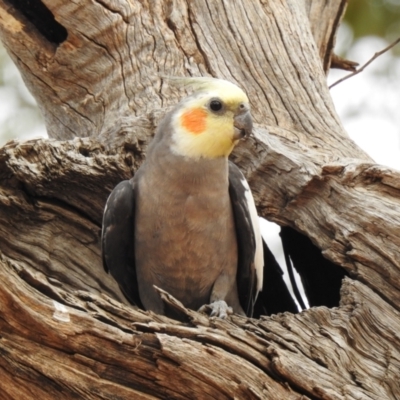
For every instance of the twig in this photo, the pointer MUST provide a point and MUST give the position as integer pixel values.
(376, 55)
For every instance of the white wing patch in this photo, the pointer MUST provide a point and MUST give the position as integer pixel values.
(259, 256)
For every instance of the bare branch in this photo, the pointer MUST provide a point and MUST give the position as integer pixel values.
(342, 63)
(375, 56)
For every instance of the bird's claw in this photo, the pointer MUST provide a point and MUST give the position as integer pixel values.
(217, 308)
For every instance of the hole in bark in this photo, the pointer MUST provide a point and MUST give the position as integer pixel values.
(84, 152)
(321, 278)
(42, 18)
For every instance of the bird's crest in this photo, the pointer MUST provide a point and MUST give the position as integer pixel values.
(202, 84)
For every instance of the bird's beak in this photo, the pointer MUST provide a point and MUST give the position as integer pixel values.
(243, 124)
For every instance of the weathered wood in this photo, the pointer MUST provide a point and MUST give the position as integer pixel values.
(44, 176)
(110, 68)
(53, 194)
(325, 17)
(348, 207)
(98, 352)
(105, 79)
(52, 219)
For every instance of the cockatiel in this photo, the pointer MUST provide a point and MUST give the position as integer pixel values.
(186, 222)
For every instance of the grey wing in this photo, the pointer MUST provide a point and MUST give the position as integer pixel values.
(250, 247)
(117, 239)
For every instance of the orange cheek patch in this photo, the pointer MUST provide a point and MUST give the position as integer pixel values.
(194, 120)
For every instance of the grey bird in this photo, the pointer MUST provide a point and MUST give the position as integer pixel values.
(187, 222)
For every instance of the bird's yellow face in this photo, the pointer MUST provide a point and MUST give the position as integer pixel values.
(210, 123)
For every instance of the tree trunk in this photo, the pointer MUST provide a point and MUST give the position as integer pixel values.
(97, 70)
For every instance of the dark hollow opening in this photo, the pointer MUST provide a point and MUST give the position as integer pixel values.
(321, 278)
(42, 18)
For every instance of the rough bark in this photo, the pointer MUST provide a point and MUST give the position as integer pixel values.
(99, 348)
(105, 79)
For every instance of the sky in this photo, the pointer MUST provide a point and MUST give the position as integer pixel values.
(368, 103)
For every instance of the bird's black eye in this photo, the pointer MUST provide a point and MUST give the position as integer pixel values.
(215, 105)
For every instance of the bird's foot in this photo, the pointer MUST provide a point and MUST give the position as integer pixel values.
(217, 308)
